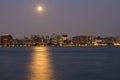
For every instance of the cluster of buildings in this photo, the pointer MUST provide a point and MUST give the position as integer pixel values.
(7, 40)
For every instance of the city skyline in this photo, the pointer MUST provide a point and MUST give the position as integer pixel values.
(7, 40)
(74, 17)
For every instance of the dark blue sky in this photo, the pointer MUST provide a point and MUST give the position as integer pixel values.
(72, 17)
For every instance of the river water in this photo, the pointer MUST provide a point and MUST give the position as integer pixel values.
(60, 63)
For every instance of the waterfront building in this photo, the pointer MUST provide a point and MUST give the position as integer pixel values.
(80, 40)
(117, 41)
(37, 40)
(64, 37)
(109, 41)
(6, 40)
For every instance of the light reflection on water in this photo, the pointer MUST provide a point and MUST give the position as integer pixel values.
(60, 63)
(40, 66)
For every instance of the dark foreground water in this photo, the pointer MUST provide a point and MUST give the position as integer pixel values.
(60, 63)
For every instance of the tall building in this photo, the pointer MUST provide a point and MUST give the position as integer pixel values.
(117, 41)
(65, 37)
(6, 40)
(80, 40)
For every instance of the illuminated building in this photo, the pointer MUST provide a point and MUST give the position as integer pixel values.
(6, 40)
(80, 40)
(117, 41)
(65, 37)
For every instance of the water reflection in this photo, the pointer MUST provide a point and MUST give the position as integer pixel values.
(40, 65)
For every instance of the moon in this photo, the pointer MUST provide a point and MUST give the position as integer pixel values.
(39, 8)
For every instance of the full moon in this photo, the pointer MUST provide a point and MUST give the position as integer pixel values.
(39, 8)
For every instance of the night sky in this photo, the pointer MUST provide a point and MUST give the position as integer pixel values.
(73, 17)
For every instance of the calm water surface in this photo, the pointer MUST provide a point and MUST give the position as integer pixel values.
(60, 63)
